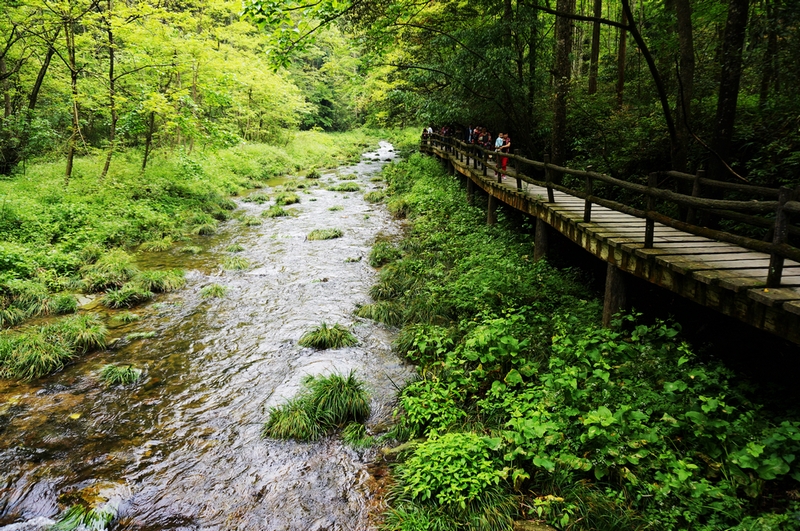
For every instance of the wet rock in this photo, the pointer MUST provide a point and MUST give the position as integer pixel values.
(40, 523)
(529, 525)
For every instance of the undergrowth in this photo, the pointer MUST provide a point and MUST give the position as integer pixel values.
(528, 409)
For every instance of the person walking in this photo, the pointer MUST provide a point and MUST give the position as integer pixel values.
(505, 147)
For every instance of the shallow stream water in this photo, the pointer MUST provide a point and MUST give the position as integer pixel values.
(181, 449)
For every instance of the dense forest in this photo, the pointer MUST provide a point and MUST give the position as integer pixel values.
(128, 125)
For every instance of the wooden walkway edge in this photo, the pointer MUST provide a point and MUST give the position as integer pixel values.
(722, 276)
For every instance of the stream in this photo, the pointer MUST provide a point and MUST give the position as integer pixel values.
(182, 448)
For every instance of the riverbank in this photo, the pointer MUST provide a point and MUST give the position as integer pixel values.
(60, 242)
(525, 408)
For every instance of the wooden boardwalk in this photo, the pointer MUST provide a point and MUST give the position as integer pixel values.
(725, 277)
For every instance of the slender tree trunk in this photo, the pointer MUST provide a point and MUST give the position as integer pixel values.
(112, 133)
(595, 54)
(621, 53)
(73, 70)
(148, 141)
(770, 55)
(6, 92)
(37, 85)
(562, 74)
(683, 12)
(730, 76)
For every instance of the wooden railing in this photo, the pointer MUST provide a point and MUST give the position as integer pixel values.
(772, 212)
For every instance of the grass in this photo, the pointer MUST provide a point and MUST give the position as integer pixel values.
(128, 295)
(234, 248)
(161, 281)
(235, 263)
(355, 435)
(127, 317)
(348, 177)
(258, 198)
(205, 229)
(40, 351)
(191, 249)
(213, 291)
(344, 187)
(324, 403)
(382, 253)
(375, 196)
(313, 173)
(159, 245)
(350, 259)
(336, 208)
(111, 270)
(250, 221)
(386, 312)
(325, 337)
(325, 234)
(275, 211)
(286, 198)
(120, 375)
(78, 517)
(133, 336)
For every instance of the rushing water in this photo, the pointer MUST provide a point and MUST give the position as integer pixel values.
(182, 449)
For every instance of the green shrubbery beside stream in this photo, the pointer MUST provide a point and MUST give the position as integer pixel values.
(57, 241)
(525, 408)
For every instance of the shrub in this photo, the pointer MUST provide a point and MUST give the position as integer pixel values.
(324, 337)
(120, 375)
(325, 234)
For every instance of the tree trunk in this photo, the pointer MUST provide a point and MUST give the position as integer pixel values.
(37, 85)
(112, 133)
(595, 53)
(148, 142)
(730, 77)
(683, 13)
(770, 55)
(6, 92)
(73, 71)
(562, 73)
(621, 53)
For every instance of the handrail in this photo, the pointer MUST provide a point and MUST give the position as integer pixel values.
(785, 202)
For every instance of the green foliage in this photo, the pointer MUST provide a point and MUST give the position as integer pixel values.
(120, 375)
(324, 403)
(286, 198)
(275, 212)
(382, 253)
(161, 281)
(234, 248)
(133, 336)
(235, 263)
(37, 352)
(325, 234)
(385, 312)
(250, 221)
(213, 291)
(128, 295)
(313, 173)
(161, 244)
(325, 337)
(375, 196)
(191, 249)
(79, 517)
(112, 270)
(257, 197)
(344, 187)
(355, 435)
(336, 208)
(127, 317)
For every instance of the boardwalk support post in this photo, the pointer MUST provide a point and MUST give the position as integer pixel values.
(540, 240)
(491, 211)
(587, 206)
(516, 170)
(470, 191)
(548, 177)
(649, 224)
(779, 236)
(615, 298)
(691, 214)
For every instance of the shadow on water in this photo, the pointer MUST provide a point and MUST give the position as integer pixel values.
(182, 448)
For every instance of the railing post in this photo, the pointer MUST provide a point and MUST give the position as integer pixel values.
(587, 206)
(548, 178)
(516, 170)
(779, 236)
(691, 214)
(483, 162)
(649, 224)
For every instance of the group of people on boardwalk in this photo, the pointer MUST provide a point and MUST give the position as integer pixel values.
(479, 136)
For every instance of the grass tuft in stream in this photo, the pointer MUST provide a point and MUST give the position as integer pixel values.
(234, 248)
(336, 208)
(250, 221)
(355, 434)
(128, 295)
(325, 234)
(111, 270)
(120, 375)
(235, 263)
(275, 211)
(344, 187)
(153, 246)
(161, 281)
(324, 337)
(191, 249)
(286, 198)
(324, 403)
(133, 336)
(375, 196)
(386, 312)
(79, 517)
(213, 291)
(258, 198)
(127, 317)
